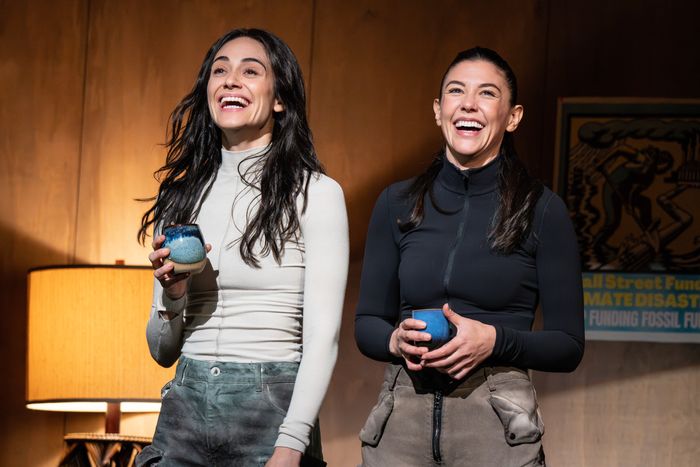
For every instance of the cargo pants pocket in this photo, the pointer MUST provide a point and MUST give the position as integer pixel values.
(371, 433)
(513, 398)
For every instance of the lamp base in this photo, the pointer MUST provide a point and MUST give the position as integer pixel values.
(113, 417)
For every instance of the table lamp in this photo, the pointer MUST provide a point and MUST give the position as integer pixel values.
(87, 348)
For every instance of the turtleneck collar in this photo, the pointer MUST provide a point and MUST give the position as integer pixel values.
(230, 160)
(474, 181)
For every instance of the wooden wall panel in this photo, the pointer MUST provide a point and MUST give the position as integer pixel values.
(142, 59)
(41, 78)
(377, 67)
(628, 403)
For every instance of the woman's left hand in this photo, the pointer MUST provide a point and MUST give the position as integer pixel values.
(472, 344)
(284, 457)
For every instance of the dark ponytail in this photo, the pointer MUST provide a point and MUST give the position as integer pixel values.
(417, 191)
(518, 193)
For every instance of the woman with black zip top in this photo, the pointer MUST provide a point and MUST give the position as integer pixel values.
(477, 237)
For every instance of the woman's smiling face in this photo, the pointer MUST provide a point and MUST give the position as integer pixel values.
(474, 111)
(241, 94)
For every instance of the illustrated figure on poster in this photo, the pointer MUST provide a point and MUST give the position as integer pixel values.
(624, 187)
(630, 192)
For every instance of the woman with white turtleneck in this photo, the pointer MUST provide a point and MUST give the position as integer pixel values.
(255, 334)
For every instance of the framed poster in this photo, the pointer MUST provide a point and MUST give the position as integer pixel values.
(629, 172)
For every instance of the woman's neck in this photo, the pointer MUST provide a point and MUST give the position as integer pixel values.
(466, 162)
(239, 141)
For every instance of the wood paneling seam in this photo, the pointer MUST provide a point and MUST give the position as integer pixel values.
(311, 59)
(543, 96)
(82, 130)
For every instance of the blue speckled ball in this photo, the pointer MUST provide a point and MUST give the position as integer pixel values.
(185, 242)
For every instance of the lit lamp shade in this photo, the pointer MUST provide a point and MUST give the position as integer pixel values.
(87, 342)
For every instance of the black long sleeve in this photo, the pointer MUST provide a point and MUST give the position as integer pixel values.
(559, 345)
(379, 304)
(447, 259)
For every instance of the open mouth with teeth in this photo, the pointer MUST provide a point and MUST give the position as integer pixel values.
(233, 102)
(468, 125)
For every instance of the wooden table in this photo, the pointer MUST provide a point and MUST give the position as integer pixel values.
(102, 450)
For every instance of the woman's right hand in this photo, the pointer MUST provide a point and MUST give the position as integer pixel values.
(174, 285)
(402, 340)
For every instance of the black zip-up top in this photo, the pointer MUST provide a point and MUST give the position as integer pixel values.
(447, 259)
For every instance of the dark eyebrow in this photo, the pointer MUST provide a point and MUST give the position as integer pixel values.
(489, 85)
(482, 85)
(247, 59)
(251, 59)
(454, 81)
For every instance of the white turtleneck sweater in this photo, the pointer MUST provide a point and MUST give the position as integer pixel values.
(235, 313)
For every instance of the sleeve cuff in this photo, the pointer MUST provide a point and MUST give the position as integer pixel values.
(287, 441)
(390, 357)
(173, 307)
(387, 348)
(497, 353)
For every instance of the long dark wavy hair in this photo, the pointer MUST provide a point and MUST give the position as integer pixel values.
(518, 191)
(194, 156)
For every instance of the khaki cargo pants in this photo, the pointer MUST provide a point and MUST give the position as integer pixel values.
(490, 419)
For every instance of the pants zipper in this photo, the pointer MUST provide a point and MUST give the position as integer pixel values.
(437, 425)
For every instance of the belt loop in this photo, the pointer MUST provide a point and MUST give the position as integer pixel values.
(258, 376)
(489, 379)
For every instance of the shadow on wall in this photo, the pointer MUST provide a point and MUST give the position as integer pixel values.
(361, 196)
(22, 427)
(356, 379)
(20, 253)
(608, 362)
